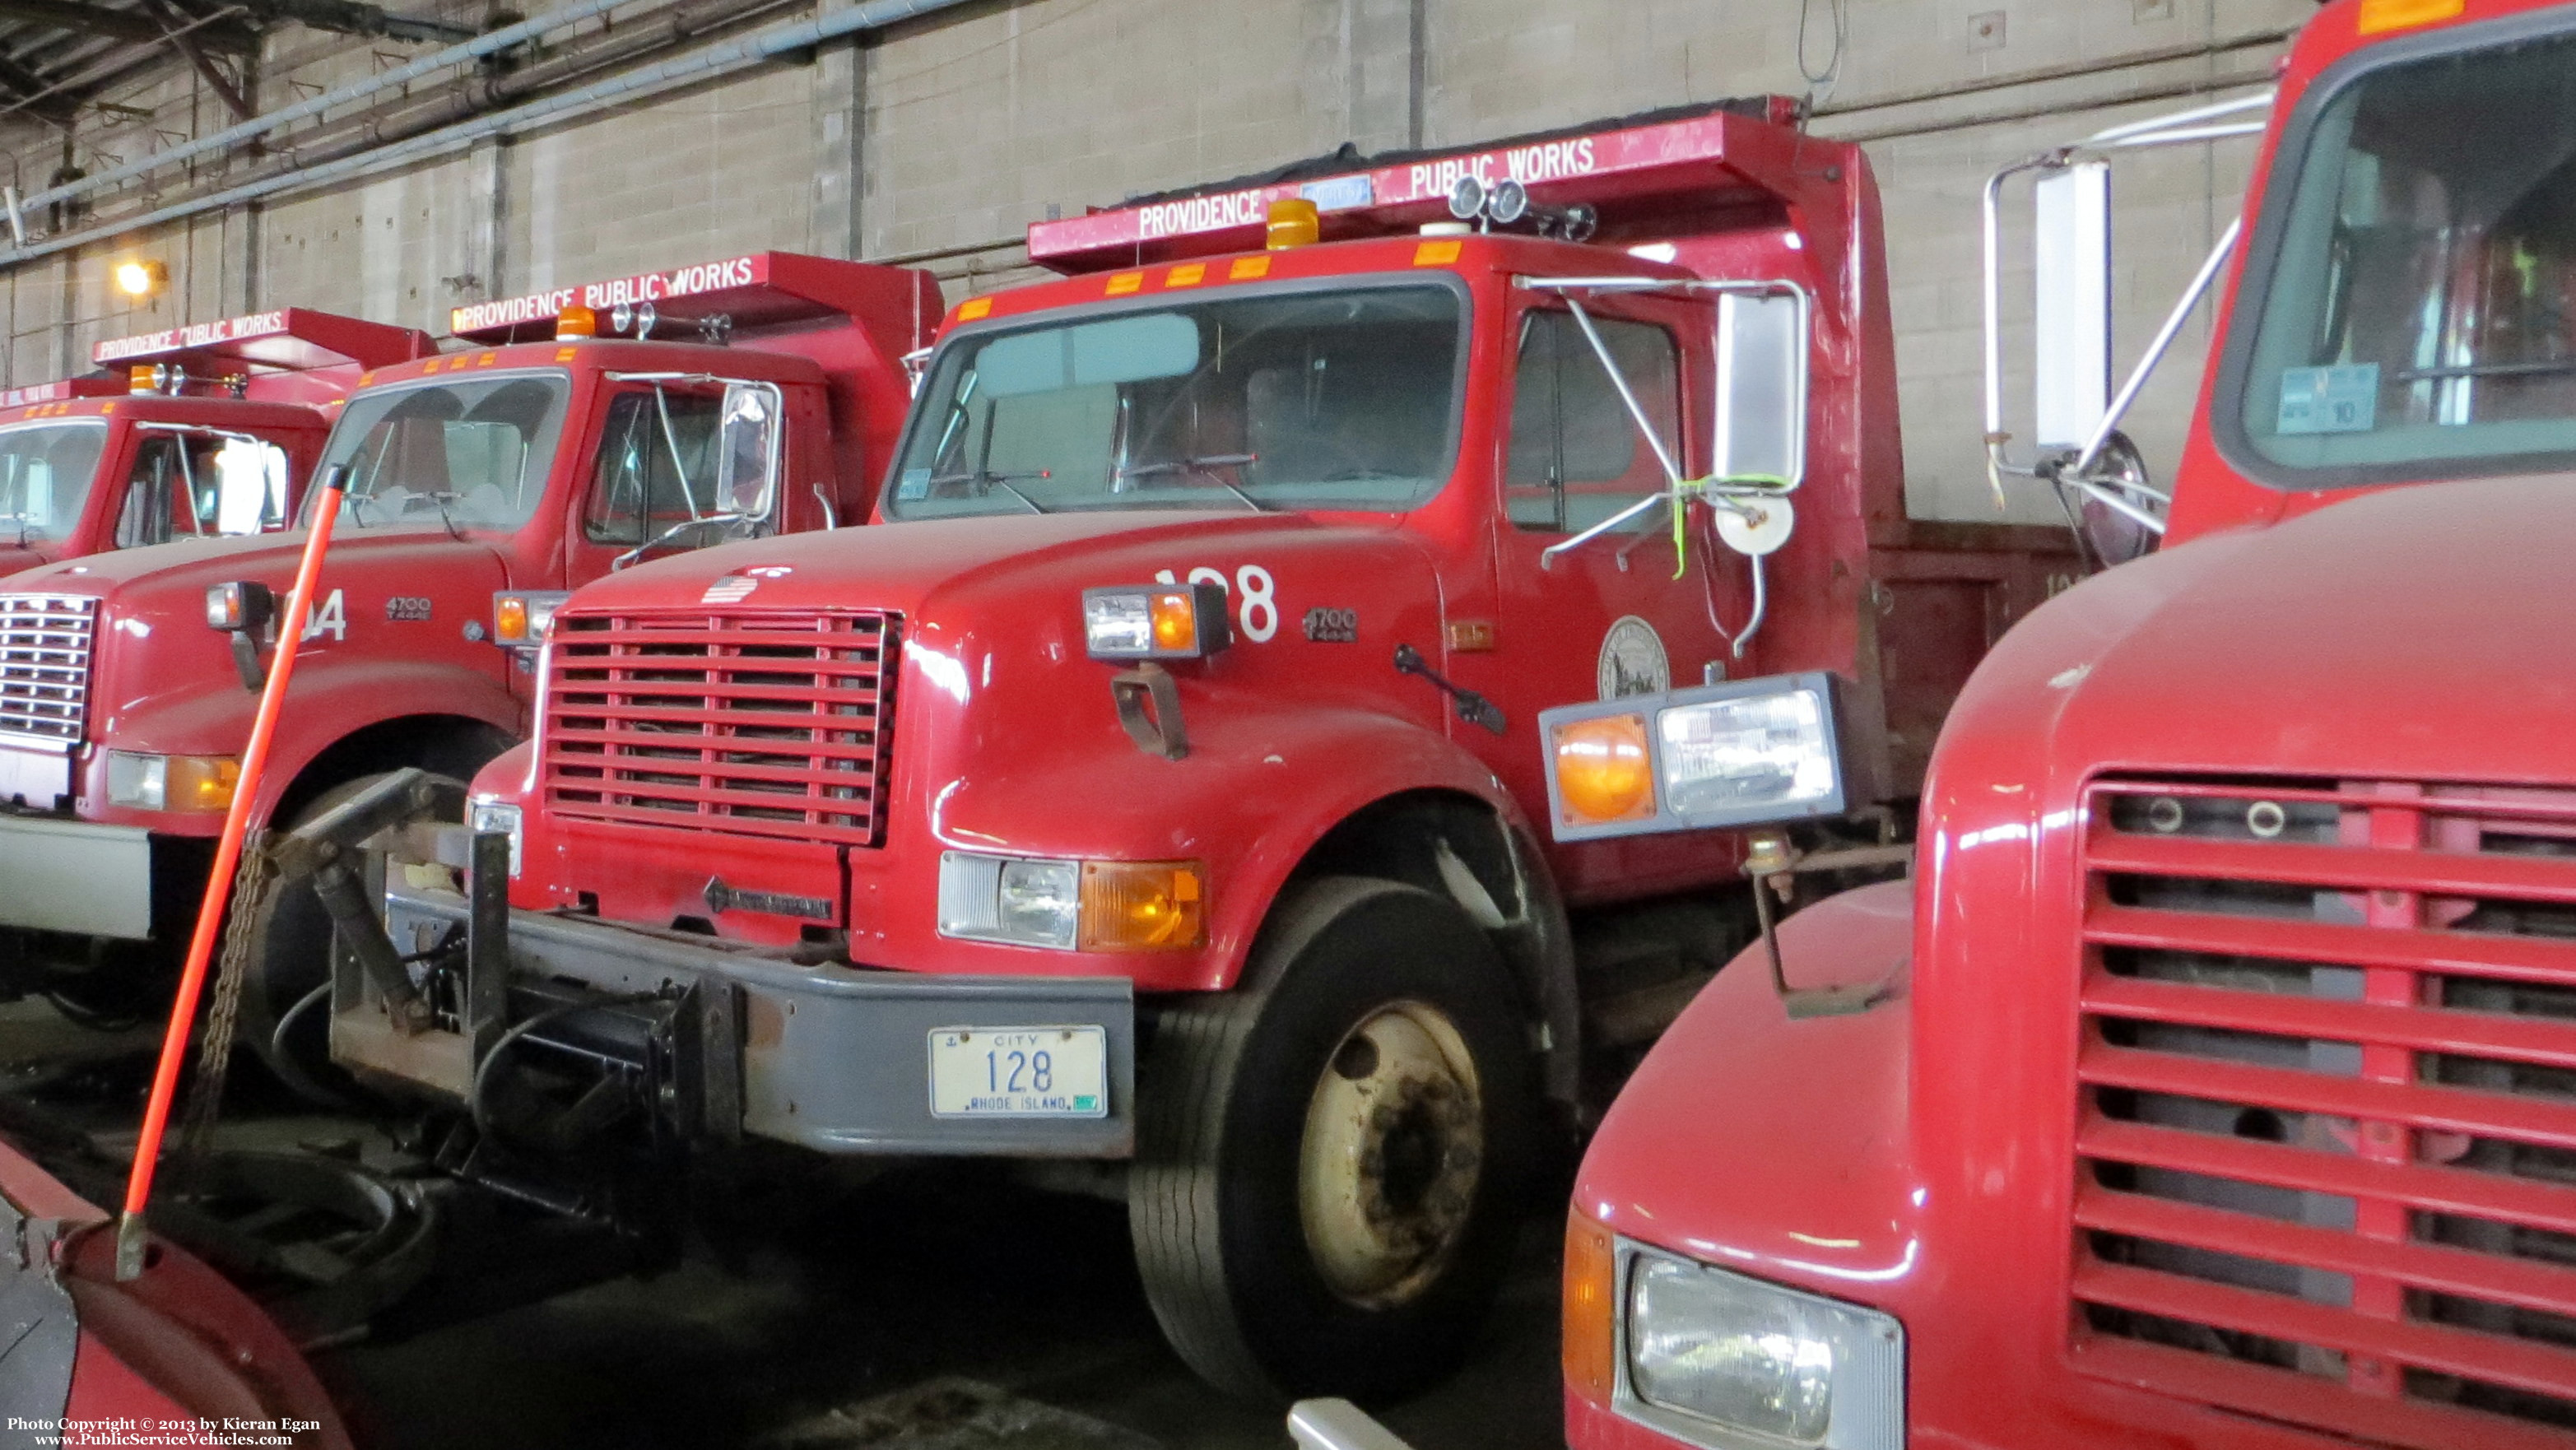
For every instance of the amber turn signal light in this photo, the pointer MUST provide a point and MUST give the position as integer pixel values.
(1591, 1307)
(1143, 906)
(1603, 772)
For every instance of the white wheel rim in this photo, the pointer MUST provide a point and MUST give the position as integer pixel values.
(1393, 1152)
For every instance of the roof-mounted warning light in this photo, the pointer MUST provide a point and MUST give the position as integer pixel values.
(576, 321)
(1293, 222)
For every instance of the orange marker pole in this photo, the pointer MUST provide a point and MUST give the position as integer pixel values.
(219, 884)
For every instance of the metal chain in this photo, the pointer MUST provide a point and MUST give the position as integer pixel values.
(254, 891)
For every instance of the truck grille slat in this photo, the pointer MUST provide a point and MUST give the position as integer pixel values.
(2326, 1140)
(2298, 1399)
(2430, 1029)
(2493, 1358)
(2420, 1266)
(44, 667)
(2257, 1163)
(749, 724)
(2505, 958)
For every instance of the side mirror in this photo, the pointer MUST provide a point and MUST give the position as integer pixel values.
(250, 486)
(1762, 351)
(747, 450)
(2071, 325)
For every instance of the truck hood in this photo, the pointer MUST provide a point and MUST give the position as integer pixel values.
(182, 569)
(2425, 633)
(909, 567)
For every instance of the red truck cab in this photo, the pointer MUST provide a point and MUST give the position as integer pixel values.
(1150, 793)
(572, 432)
(191, 432)
(2212, 1089)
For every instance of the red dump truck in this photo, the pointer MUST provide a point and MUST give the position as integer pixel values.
(566, 434)
(192, 432)
(1151, 795)
(2213, 1085)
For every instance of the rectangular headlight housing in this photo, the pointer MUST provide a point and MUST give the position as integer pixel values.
(244, 604)
(484, 817)
(1097, 906)
(171, 782)
(1731, 1362)
(522, 618)
(1155, 622)
(1743, 753)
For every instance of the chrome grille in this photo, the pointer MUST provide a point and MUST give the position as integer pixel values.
(44, 667)
(769, 725)
(2326, 1142)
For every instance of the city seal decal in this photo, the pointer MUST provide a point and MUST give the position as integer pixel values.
(1632, 661)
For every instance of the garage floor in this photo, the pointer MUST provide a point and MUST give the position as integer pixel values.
(920, 1311)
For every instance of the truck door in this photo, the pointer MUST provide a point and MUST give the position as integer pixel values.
(1606, 619)
(675, 470)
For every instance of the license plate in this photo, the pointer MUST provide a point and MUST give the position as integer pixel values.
(1019, 1072)
(35, 779)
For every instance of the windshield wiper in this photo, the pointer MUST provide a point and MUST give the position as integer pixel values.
(986, 475)
(1207, 465)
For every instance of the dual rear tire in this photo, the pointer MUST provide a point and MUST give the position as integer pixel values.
(1331, 1158)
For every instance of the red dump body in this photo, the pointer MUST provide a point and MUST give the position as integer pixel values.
(2216, 1096)
(141, 453)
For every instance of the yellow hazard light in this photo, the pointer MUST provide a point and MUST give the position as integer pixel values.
(1294, 222)
(1591, 1308)
(1142, 906)
(576, 322)
(1603, 772)
(2378, 17)
(139, 379)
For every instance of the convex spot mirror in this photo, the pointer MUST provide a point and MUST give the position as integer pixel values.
(1762, 362)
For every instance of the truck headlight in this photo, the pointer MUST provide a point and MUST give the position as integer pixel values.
(1155, 622)
(1748, 752)
(1719, 1358)
(1098, 906)
(487, 816)
(171, 782)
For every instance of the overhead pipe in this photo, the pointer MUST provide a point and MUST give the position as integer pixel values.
(715, 60)
(261, 125)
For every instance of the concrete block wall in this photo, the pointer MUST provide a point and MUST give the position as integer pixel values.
(945, 136)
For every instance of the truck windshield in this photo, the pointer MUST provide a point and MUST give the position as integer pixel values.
(1344, 399)
(471, 454)
(45, 475)
(2420, 318)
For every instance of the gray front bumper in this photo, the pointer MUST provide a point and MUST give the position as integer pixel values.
(829, 1058)
(75, 876)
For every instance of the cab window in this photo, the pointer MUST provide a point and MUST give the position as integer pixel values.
(1575, 456)
(656, 467)
(188, 483)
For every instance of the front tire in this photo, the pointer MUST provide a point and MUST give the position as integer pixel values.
(1329, 1158)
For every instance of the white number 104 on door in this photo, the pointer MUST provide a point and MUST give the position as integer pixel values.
(1019, 1072)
